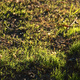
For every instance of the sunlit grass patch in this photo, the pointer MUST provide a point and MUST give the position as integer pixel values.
(14, 56)
(50, 60)
(68, 32)
(20, 59)
(72, 31)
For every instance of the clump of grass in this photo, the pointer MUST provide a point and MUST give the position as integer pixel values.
(57, 74)
(75, 48)
(74, 54)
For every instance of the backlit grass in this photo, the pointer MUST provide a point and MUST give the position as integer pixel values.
(38, 37)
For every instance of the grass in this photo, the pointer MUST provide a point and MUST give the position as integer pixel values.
(39, 40)
(75, 48)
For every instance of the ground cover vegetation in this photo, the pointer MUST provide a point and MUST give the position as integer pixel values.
(40, 40)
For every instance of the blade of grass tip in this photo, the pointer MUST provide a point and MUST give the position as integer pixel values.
(71, 10)
(76, 11)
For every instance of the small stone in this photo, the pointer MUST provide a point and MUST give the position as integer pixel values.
(39, 31)
(54, 53)
(49, 34)
(14, 55)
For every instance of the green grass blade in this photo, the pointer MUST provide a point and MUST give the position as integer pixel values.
(76, 11)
